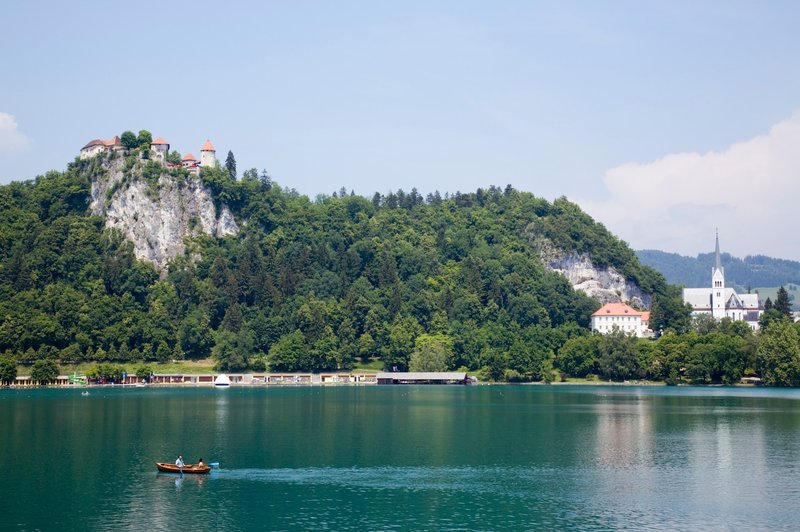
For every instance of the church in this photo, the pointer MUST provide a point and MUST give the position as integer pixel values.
(721, 302)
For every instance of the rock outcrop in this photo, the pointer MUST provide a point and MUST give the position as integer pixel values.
(157, 214)
(607, 285)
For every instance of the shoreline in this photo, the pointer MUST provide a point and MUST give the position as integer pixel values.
(309, 379)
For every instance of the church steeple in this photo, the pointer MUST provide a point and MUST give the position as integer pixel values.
(718, 293)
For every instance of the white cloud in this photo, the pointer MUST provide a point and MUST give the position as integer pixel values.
(11, 140)
(751, 191)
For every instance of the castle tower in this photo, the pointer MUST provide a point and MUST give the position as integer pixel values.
(208, 155)
(160, 148)
(718, 285)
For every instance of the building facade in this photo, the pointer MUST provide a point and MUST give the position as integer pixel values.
(720, 301)
(160, 148)
(622, 317)
(208, 155)
(97, 146)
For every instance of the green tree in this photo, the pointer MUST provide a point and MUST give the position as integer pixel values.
(144, 372)
(233, 350)
(619, 357)
(163, 352)
(366, 347)
(8, 371)
(128, 140)
(144, 139)
(782, 303)
(230, 165)
(109, 372)
(174, 157)
(402, 334)
(778, 355)
(494, 364)
(578, 356)
(768, 317)
(285, 354)
(432, 352)
(44, 371)
(195, 335)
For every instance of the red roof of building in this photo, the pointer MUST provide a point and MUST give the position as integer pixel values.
(208, 146)
(620, 309)
(94, 142)
(114, 141)
(188, 157)
(159, 140)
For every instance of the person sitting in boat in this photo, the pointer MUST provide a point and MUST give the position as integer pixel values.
(179, 461)
(200, 463)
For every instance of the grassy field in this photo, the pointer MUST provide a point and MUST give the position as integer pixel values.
(183, 366)
(188, 367)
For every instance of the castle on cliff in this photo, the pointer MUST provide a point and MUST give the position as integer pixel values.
(159, 148)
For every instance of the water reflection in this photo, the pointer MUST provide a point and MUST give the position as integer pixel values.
(624, 433)
(221, 410)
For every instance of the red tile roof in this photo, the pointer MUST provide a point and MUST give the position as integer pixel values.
(208, 146)
(159, 140)
(94, 142)
(110, 143)
(620, 309)
(188, 157)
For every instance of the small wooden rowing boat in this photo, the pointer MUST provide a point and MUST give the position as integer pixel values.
(188, 469)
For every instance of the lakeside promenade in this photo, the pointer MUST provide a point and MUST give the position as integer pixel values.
(207, 379)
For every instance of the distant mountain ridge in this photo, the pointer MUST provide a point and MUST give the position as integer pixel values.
(750, 272)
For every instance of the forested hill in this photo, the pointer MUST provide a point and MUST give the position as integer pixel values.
(304, 285)
(750, 272)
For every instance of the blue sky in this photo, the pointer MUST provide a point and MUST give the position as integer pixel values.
(663, 120)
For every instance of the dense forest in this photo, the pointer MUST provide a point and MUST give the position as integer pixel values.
(421, 283)
(748, 273)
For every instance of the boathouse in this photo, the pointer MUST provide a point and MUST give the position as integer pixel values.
(423, 377)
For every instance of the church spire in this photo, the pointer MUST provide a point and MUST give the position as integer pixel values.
(718, 263)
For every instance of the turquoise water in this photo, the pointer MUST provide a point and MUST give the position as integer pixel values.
(405, 458)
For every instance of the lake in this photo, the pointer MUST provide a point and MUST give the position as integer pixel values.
(402, 457)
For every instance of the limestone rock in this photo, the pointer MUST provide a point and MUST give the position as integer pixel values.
(157, 219)
(607, 285)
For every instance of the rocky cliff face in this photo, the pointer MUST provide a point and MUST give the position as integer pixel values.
(157, 215)
(607, 285)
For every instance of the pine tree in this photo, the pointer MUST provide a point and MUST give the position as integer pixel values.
(782, 303)
(266, 180)
(230, 164)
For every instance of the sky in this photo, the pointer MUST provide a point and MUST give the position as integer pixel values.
(663, 120)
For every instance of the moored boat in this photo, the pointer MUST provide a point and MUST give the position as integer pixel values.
(189, 469)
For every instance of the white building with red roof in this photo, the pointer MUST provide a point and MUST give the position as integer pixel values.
(188, 161)
(160, 149)
(208, 155)
(97, 146)
(622, 317)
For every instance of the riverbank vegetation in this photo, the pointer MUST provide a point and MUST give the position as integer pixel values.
(438, 282)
